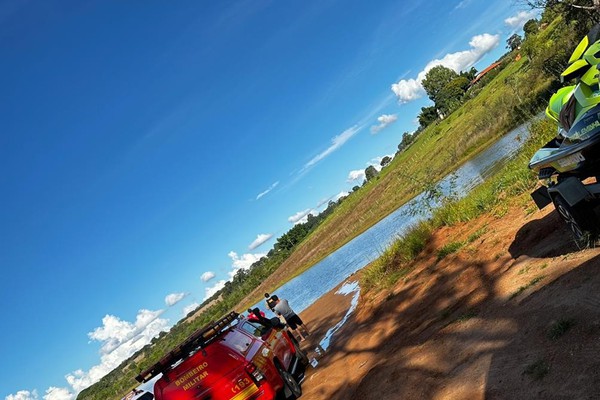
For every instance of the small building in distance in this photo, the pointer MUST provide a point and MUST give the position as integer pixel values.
(484, 72)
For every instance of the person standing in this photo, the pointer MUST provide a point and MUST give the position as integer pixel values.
(282, 307)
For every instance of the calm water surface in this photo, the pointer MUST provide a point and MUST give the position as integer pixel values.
(303, 290)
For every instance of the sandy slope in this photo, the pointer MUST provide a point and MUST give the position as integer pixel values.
(460, 328)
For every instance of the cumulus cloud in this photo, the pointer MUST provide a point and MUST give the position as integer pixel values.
(356, 175)
(407, 90)
(174, 298)
(336, 143)
(517, 21)
(209, 292)
(244, 261)
(119, 340)
(260, 239)
(273, 186)
(23, 395)
(340, 195)
(189, 308)
(207, 276)
(301, 216)
(384, 121)
(54, 393)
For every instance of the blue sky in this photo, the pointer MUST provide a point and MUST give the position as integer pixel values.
(150, 149)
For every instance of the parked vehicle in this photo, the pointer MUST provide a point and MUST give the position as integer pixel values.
(233, 358)
(569, 165)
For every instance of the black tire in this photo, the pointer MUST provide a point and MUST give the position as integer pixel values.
(291, 387)
(300, 354)
(580, 219)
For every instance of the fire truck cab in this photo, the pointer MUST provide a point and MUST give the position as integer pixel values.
(233, 358)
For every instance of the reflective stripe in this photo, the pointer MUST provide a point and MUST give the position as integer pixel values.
(249, 391)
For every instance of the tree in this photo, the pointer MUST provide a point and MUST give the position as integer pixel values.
(514, 42)
(450, 96)
(355, 188)
(531, 27)
(590, 5)
(435, 80)
(370, 173)
(426, 117)
(407, 139)
(385, 161)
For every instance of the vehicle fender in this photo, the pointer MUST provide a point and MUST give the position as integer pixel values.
(571, 189)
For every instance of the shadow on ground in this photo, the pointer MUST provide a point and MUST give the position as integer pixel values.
(451, 333)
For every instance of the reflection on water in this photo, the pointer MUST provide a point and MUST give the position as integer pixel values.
(303, 290)
(346, 289)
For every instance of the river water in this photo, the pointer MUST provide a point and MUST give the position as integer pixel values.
(303, 290)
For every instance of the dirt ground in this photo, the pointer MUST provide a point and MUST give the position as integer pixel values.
(515, 314)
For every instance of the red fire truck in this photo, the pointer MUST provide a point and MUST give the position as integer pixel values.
(234, 358)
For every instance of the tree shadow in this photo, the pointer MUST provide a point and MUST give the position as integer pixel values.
(449, 332)
(544, 237)
(557, 326)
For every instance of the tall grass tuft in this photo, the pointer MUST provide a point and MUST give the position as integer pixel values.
(513, 179)
(396, 261)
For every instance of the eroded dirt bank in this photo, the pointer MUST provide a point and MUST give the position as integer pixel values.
(515, 314)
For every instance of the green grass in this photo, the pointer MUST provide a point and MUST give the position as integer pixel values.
(465, 316)
(560, 327)
(477, 234)
(537, 370)
(531, 283)
(448, 249)
(512, 180)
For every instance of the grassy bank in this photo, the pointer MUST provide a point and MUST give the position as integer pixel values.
(515, 95)
(493, 196)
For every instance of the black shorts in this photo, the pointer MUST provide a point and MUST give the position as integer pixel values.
(294, 321)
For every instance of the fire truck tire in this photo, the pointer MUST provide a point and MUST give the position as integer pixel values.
(291, 389)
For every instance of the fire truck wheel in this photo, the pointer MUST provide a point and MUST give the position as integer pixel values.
(292, 389)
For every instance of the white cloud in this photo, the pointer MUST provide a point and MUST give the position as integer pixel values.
(273, 186)
(410, 89)
(356, 175)
(189, 308)
(384, 120)
(207, 276)
(301, 216)
(462, 4)
(517, 21)
(174, 298)
(209, 292)
(336, 143)
(260, 239)
(119, 340)
(23, 395)
(54, 393)
(340, 195)
(243, 262)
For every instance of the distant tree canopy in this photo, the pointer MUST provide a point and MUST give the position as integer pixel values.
(514, 42)
(370, 173)
(426, 117)
(436, 79)
(385, 161)
(531, 27)
(446, 89)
